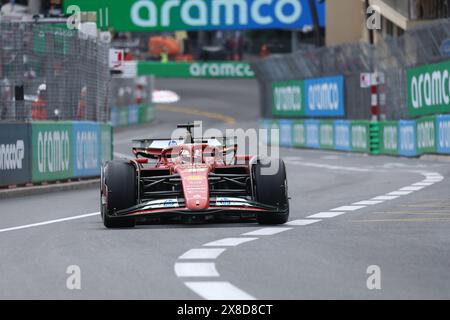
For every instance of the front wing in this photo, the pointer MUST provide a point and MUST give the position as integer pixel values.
(175, 208)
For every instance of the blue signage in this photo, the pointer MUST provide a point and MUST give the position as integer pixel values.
(312, 133)
(286, 133)
(87, 154)
(407, 138)
(443, 134)
(342, 135)
(324, 97)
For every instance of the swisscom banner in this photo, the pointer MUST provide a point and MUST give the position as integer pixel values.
(324, 97)
(429, 89)
(163, 15)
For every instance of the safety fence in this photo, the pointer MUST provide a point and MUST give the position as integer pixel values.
(52, 151)
(49, 72)
(408, 138)
(394, 60)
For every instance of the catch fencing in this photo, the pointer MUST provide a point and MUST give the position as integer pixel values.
(48, 72)
(392, 57)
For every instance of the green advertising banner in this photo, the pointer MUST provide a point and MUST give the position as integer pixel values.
(389, 137)
(360, 136)
(426, 135)
(429, 89)
(299, 134)
(327, 135)
(146, 113)
(288, 98)
(53, 146)
(172, 15)
(219, 69)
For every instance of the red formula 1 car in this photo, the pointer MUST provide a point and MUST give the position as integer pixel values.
(191, 181)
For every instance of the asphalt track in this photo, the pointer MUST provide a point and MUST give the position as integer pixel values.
(326, 256)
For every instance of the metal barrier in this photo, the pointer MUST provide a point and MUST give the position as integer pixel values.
(48, 72)
(424, 45)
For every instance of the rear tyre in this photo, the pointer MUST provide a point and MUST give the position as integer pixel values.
(271, 190)
(120, 180)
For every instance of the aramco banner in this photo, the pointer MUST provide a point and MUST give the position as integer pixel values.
(165, 15)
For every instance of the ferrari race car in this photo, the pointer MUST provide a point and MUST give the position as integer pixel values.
(191, 181)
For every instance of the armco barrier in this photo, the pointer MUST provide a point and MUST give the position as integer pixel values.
(131, 115)
(342, 135)
(426, 135)
(443, 134)
(360, 136)
(299, 134)
(312, 134)
(15, 154)
(389, 138)
(327, 135)
(407, 138)
(52, 151)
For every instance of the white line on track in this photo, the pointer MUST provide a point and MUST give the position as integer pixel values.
(229, 242)
(196, 269)
(221, 290)
(367, 203)
(201, 254)
(325, 215)
(218, 291)
(385, 198)
(266, 231)
(412, 188)
(349, 208)
(40, 224)
(302, 222)
(400, 193)
(423, 184)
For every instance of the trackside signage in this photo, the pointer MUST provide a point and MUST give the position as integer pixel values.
(342, 135)
(163, 15)
(429, 89)
(196, 70)
(426, 135)
(324, 97)
(407, 138)
(443, 134)
(86, 158)
(15, 154)
(52, 151)
(288, 98)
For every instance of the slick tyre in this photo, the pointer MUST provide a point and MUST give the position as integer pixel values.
(120, 180)
(271, 190)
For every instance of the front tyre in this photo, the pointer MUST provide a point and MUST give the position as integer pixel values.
(119, 178)
(271, 190)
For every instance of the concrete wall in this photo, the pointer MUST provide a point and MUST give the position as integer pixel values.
(345, 21)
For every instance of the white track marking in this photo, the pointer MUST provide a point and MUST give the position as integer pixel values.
(349, 208)
(302, 222)
(202, 254)
(423, 184)
(229, 242)
(326, 215)
(367, 203)
(40, 224)
(225, 290)
(196, 269)
(330, 167)
(385, 198)
(218, 291)
(266, 231)
(412, 188)
(400, 193)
